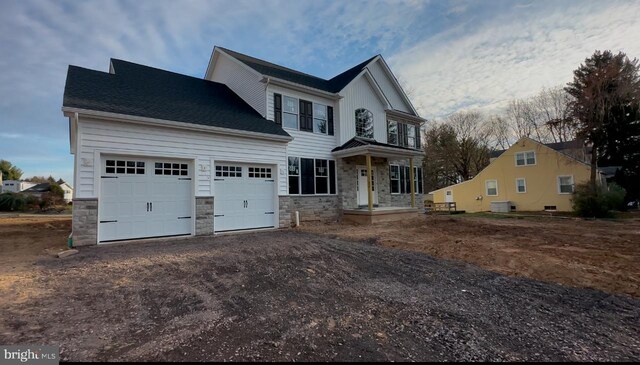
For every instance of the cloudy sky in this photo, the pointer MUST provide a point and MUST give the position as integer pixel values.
(452, 54)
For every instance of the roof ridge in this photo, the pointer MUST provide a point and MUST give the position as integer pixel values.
(163, 70)
(271, 63)
(360, 65)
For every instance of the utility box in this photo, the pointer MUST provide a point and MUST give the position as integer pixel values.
(501, 207)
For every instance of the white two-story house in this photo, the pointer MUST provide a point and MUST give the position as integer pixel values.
(252, 145)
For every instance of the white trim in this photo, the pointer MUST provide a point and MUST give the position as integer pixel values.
(178, 125)
(486, 188)
(377, 151)
(395, 81)
(525, 185)
(535, 158)
(573, 183)
(214, 58)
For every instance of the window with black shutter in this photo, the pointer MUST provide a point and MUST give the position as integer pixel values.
(277, 109)
(306, 116)
(332, 177)
(418, 141)
(307, 176)
(330, 120)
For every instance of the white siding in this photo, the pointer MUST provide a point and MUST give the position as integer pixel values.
(388, 87)
(359, 94)
(306, 144)
(242, 81)
(117, 137)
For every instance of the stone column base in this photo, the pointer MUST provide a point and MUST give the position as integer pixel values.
(85, 222)
(204, 215)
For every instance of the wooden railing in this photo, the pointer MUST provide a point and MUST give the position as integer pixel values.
(444, 207)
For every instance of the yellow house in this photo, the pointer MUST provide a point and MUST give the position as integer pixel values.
(529, 176)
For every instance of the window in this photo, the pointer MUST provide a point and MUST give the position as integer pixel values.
(565, 184)
(260, 172)
(521, 186)
(364, 123)
(394, 176)
(319, 118)
(170, 168)
(124, 167)
(228, 171)
(492, 187)
(294, 175)
(322, 177)
(411, 136)
(290, 112)
(310, 176)
(417, 179)
(392, 132)
(525, 158)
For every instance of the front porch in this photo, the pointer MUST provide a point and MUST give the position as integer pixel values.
(378, 214)
(369, 194)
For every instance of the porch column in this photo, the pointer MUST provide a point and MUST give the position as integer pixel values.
(369, 187)
(413, 185)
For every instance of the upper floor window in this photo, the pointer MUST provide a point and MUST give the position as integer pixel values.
(290, 112)
(320, 118)
(392, 127)
(403, 134)
(525, 158)
(411, 136)
(364, 123)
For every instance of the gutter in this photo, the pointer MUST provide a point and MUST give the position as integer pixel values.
(180, 125)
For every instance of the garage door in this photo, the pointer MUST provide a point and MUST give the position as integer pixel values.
(244, 197)
(144, 197)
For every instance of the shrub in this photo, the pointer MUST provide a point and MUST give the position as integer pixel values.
(12, 202)
(597, 202)
(56, 190)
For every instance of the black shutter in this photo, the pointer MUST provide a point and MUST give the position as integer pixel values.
(330, 120)
(277, 109)
(332, 175)
(401, 134)
(401, 168)
(306, 116)
(420, 186)
(307, 169)
(417, 136)
(407, 177)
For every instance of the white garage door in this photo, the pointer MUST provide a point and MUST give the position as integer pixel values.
(144, 197)
(244, 197)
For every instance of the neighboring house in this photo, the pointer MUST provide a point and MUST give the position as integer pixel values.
(39, 189)
(163, 154)
(68, 192)
(16, 186)
(530, 176)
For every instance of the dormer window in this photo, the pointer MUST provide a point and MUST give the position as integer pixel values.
(364, 123)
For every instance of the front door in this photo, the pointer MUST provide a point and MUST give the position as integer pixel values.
(363, 194)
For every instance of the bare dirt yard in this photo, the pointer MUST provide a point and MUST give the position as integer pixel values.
(292, 295)
(597, 254)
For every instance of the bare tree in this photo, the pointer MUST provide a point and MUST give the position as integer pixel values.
(473, 136)
(552, 106)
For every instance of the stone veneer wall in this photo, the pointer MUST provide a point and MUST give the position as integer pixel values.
(311, 207)
(204, 215)
(85, 222)
(347, 180)
(284, 207)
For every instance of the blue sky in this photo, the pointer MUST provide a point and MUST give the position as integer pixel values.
(451, 55)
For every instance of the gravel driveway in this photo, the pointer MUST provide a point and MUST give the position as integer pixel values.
(287, 295)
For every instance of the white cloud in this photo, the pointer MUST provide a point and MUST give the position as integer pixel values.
(514, 54)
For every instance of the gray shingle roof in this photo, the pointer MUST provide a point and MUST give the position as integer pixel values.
(145, 91)
(558, 146)
(332, 85)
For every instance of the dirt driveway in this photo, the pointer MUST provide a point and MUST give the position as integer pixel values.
(290, 295)
(598, 254)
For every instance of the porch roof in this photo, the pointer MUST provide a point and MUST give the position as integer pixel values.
(362, 146)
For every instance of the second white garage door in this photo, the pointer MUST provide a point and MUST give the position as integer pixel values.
(244, 197)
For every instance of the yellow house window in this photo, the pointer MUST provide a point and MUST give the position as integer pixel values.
(565, 184)
(525, 158)
(521, 185)
(492, 187)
